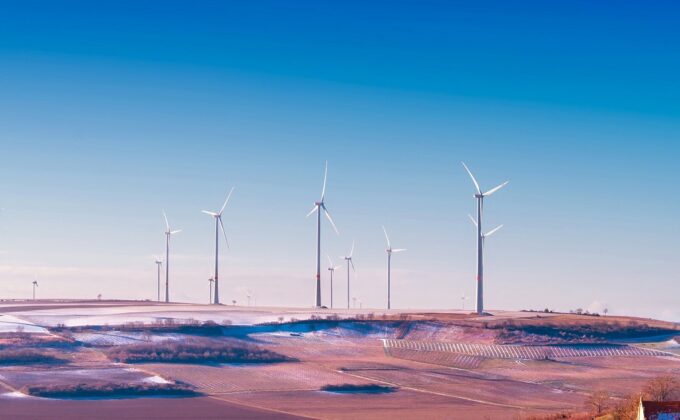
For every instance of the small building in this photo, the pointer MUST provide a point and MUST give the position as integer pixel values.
(658, 410)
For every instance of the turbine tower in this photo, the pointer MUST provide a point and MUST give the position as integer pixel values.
(159, 263)
(320, 206)
(480, 237)
(35, 284)
(348, 258)
(211, 281)
(389, 251)
(219, 225)
(332, 269)
(168, 233)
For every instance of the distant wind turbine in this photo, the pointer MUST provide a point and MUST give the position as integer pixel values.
(35, 284)
(332, 269)
(211, 281)
(389, 251)
(320, 206)
(168, 233)
(349, 260)
(219, 225)
(487, 234)
(480, 237)
(159, 263)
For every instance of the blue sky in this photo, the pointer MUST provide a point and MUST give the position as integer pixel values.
(112, 111)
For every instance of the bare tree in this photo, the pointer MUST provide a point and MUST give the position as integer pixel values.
(662, 388)
(598, 401)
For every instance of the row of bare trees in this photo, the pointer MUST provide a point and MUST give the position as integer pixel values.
(661, 388)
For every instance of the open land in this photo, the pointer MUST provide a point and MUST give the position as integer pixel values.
(260, 362)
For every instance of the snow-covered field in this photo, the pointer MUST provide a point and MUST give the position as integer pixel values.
(119, 315)
(10, 323)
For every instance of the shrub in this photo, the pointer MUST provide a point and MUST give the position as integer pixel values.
(351, 388)
(195, 351)
(26, 356)
(107, 389)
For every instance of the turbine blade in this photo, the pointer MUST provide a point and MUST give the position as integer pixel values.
(175, 231)
(212, 213)
(313, 210)
(167, 225)
(330, 219)
(325, 174)
(330, 262)
(226, 201)
(493, 190)
(473, 178)
(352, 263)
(472, 219)
(337, 267)
(491, 232)
(223, 232)
(387, 237)
(351, 251)
(399, 250)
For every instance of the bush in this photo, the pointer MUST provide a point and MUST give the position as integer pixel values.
(111, 390)
(195, 351)
(351, 388)
(26, 356)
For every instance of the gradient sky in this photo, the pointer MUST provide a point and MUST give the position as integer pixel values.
(113, 111)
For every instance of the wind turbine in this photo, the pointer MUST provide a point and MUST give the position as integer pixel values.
(168, 233)
(211, 281)
(348, 258)
(159, 263)
(487, 234)
(480, 237)
(248, 296)
(35, 284)
(332, 269)
(218, 225)
(389, 251)
(318, 207)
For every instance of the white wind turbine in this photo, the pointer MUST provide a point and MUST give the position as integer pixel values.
(389, 251)
(35, 284)
(159, 263)
(349, 260)
(487, 234)
(320, 206)
(210, 283)
(332, 269)
(218, 225)
(168, 233)
(480, 237)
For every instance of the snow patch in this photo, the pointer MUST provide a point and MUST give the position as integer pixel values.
(9, 323)
(156, 380)
(15, 394)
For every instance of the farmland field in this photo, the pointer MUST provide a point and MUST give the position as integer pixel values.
(436, 365)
